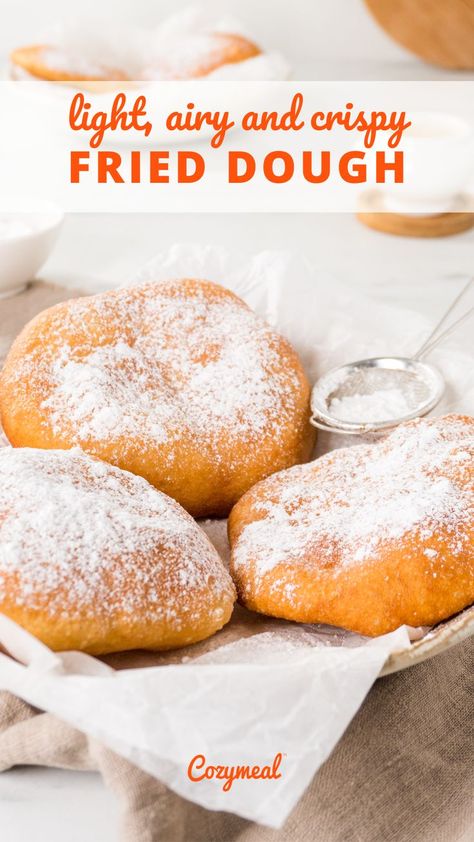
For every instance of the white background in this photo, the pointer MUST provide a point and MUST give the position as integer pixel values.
(37, 130)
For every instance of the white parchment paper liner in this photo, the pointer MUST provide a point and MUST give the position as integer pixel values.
(296, 699)
(287, 688)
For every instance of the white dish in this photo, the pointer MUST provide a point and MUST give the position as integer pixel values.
(28, 231)
(439, 161)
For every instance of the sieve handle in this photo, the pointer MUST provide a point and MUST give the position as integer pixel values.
(436, 336)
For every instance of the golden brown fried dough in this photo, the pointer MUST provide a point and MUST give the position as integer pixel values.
(189, 56)
(94, 558)
(194, 55)
(368, 537)
(178, 382)
(51, 64)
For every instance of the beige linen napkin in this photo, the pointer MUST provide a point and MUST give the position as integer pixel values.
(403, 772)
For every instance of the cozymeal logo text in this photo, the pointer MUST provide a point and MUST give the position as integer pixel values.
(200, 770)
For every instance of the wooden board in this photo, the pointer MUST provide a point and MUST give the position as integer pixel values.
(372, 212)
(442, 225)
(438, 31)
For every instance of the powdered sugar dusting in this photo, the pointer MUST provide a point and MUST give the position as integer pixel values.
(81, 538)
(133, 52)
(343, 508)
(77, 64)
(191, 55)
(159, 364)
(182, 57)
(384, 405)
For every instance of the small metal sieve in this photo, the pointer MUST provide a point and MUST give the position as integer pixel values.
(419, 384)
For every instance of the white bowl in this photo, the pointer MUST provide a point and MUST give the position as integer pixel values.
(439, 161)
(28, 231)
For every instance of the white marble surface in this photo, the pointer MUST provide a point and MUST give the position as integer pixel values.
(411, 272)
(51, 805)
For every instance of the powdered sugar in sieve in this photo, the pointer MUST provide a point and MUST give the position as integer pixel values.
(373, 395)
